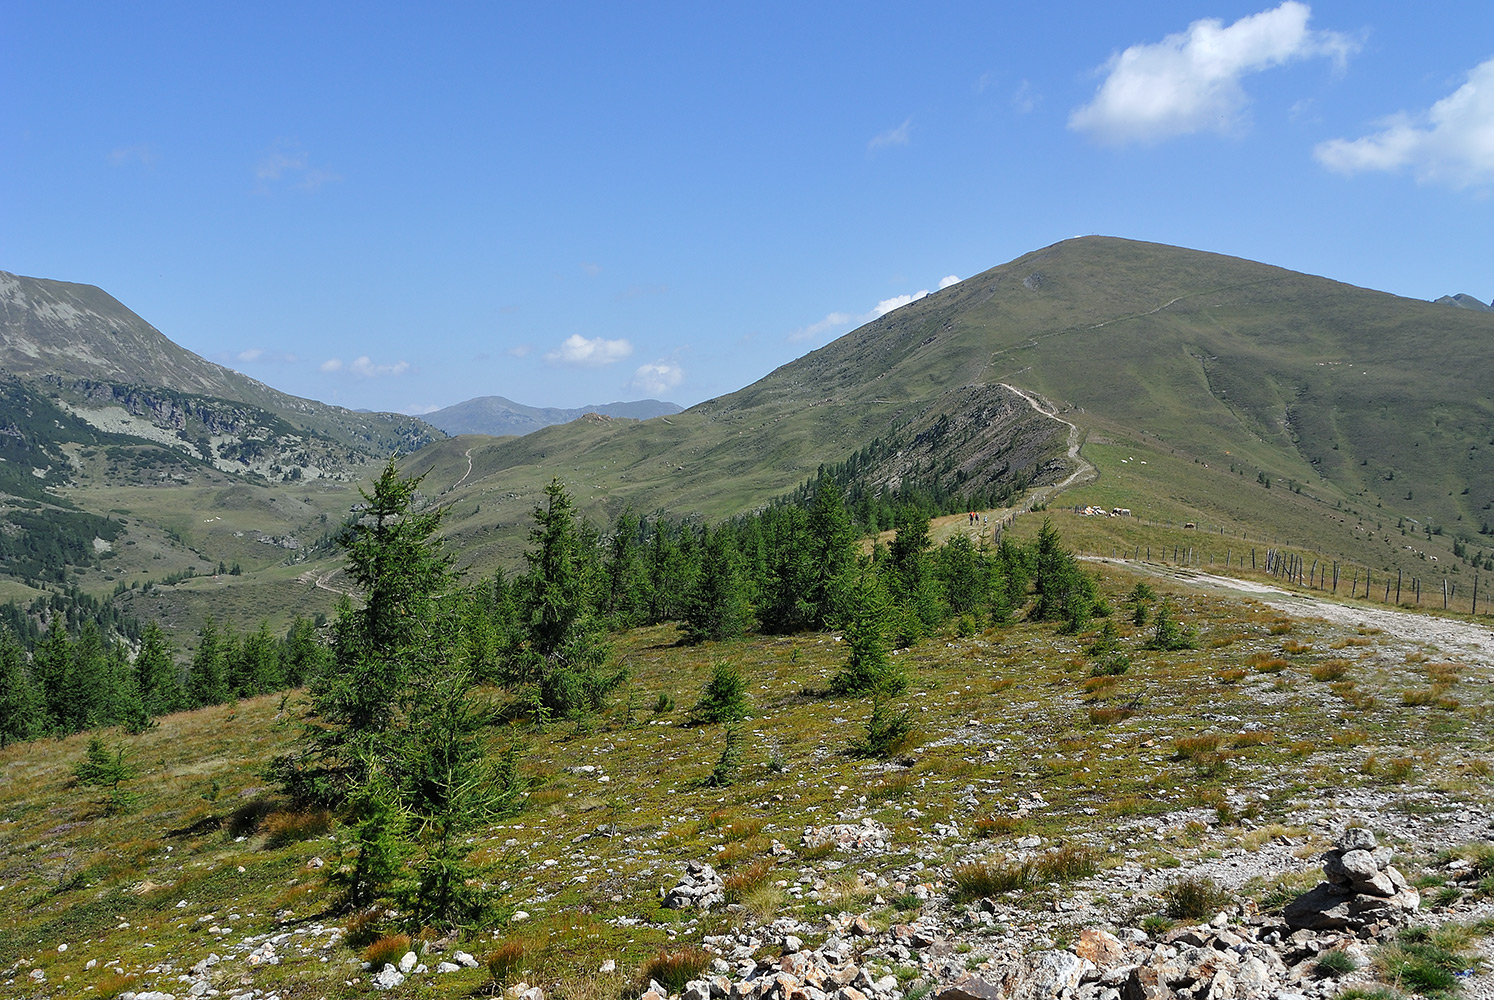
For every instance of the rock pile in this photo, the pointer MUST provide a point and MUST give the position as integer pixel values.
(868, 835)
(701, 888)
(1364, 893)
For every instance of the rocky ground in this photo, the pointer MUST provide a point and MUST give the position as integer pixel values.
(1167, 844)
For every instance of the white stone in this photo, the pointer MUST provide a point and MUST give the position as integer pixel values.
(387, 978)
(408, 962)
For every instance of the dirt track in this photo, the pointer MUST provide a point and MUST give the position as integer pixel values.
(1465, 639)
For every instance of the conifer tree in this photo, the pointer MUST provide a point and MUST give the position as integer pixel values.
(51, 664)
(964, 574)
(156, 676)
(718, 606)
(910, 579)
(625, 596)
(303, 656)
(87, 695)
(561, 658)
(207, 678)
(789, 572)
(99, 768)
(865, 619)
(1064, 591)
(21, 712)
(401, 567)
(833, 556)
(257, 667)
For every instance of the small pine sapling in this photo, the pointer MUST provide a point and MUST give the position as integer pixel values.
(101, 769)
(724, 698)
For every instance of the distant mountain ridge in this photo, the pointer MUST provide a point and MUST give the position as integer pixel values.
(499, 416)
(121, 375)
(1463, 300)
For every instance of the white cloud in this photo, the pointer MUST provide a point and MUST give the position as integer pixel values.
(896, 302)
(1190, 81)
(892, 137)
(141, 152)
(593, 353)
(251, 355)
(420, 409)
(590, 268)
(1025, 99)
(657, 377)
(519, 351)
(838, 320)
(1450, 143)
(364, 367)
(830, 322)
(287, 161)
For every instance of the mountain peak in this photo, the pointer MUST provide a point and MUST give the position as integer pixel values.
(1462, 300)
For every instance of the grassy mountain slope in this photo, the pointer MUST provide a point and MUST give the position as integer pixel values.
(98, 354)
(1231, 368)
(128, 459)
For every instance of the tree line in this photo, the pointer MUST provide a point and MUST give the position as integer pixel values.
(77, 680)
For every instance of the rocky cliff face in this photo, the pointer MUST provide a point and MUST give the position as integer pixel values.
(118, 373)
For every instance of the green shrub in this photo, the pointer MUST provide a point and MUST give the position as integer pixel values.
(888, 730)
(730, 761)
(724, 698)
(1168, 634)
(1194, 898)
(1335, 963)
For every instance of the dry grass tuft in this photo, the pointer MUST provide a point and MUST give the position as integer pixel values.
(387, 950)
(1330, 670)
(288, 827)
(674, 969)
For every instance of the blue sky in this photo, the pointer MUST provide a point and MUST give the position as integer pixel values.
(394, 208)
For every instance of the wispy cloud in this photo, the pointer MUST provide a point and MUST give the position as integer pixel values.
(842, 320)
(1191, 81)
(833, 321)
(657, 377)
(285, 162)
(420, 409)
(579, 352)
(364, 367)
(1025, 99)
(260, 356)
(1451, 143)
(892, 137)
(590, 268)
(141, 152)
(520, 350)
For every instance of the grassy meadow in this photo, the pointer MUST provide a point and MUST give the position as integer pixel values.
(1271, 726)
